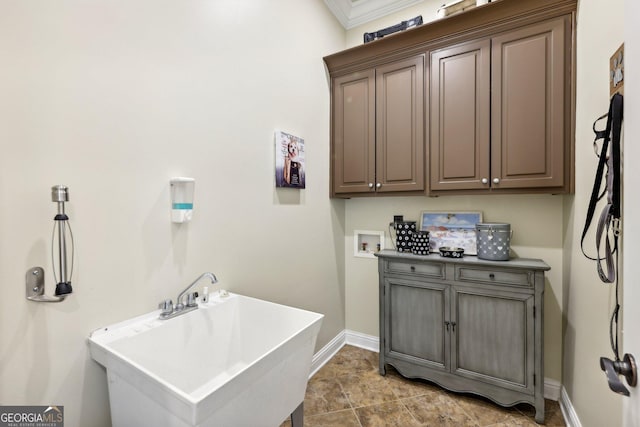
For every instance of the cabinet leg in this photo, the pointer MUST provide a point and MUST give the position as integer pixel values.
(297, 416)
(540, 413)
(382, 369)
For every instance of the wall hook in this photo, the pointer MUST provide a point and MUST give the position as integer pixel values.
(34, 279)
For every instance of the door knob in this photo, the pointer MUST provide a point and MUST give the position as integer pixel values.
(371, 185)
(625, 367)
(484, 180)
(378, 185)
(496, 180)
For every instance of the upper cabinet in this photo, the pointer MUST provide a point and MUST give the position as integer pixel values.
(477, 102)
(378, 129)
(499, 111)
(460, 113)
(529, 105)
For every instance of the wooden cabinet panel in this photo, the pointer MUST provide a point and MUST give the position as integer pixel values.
(400, 126)
(459, 145)
(528, 106)
(417, 309)
(493, 335)
(353, 151)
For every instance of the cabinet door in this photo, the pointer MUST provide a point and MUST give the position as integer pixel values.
(493, 338)
(353, 150)
(415, 322)
(400, 126)
(529, 104)
(459, 145)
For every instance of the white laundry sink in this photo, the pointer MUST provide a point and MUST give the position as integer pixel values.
(235, 361)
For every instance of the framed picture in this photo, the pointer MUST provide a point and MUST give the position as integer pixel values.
(452, 229)
(289, 160)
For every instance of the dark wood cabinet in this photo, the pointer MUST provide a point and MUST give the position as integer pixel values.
(460, 114)
(500, 111)
(530, 106)
(490, 111)
(353, 143)
(378, 129)
(466, 324)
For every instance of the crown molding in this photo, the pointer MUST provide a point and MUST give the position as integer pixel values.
(351, 13)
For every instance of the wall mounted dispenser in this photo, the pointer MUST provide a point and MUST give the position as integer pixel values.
(61, 231)
(182, 190)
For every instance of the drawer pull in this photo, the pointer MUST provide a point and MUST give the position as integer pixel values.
(492, 276)
(413, 268)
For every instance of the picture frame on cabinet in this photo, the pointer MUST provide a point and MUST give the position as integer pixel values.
(290, 159)
(451, 229)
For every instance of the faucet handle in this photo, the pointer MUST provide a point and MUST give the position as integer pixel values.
(166, 306)
(191, 299)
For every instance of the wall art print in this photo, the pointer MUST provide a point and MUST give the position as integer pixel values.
(451, 229)
(290, 170)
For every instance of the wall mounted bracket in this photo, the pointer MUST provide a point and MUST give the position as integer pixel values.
(34, 279)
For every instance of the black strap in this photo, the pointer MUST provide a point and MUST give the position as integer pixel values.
(617, 111)
(611, 134)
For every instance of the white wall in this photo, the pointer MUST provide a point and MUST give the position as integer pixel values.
(587, 301)
(113, 98)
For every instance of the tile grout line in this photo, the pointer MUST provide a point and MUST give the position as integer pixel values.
(346, 396)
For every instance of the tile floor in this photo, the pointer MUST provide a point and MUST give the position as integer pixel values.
(349, 392)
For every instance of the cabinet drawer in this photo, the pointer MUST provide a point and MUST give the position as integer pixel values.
(523, 278)
(428, 269)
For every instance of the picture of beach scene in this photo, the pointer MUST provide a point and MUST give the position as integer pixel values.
(451, 229)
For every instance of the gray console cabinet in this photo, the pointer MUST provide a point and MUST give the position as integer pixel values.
(466, 324)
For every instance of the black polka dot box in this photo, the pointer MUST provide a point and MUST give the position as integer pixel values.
(420, 243)
(404, 235)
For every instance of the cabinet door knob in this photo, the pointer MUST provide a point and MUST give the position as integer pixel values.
(484, 180)
(378, 185)
(453, 326)
(371, 185)
(492, 276)
(413, 268)
(496, 180)
(446, 324)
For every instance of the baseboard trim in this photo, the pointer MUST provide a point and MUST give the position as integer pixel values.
(553, 390)
(568, 412)
(368, 342)
(327, 352)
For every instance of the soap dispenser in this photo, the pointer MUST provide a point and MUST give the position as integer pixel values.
(182, 190)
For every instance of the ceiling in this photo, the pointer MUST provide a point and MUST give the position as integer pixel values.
(352, 13)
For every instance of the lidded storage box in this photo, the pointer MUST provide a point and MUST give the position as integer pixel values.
(404, 235)
(494, 241)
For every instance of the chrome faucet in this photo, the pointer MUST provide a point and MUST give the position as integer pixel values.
(169, 310)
